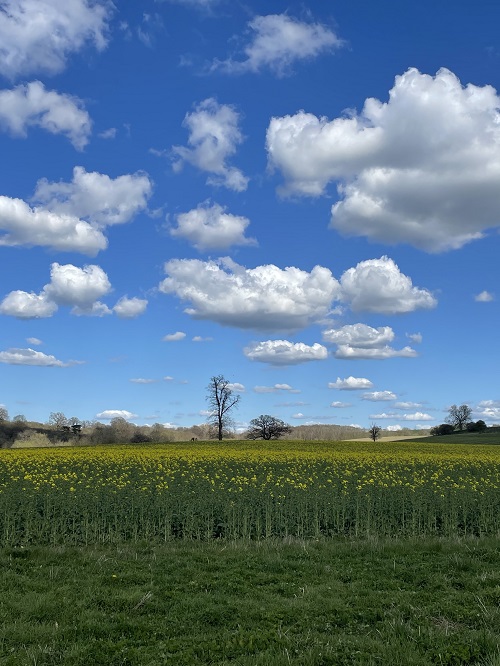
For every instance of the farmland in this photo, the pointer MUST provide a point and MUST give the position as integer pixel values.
(240, 552)
(247, 490)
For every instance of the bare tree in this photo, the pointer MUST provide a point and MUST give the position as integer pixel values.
(267, 427)
(221, 400)
(58, 419)
(459, 417)
(374, 431)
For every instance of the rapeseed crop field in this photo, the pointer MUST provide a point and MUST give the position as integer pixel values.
(247, 490)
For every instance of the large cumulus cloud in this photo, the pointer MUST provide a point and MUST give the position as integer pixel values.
(422, 168)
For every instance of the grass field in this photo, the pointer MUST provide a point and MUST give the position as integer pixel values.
(248, 553)
(268, 603)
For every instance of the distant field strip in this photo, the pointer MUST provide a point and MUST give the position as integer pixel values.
(247, 490)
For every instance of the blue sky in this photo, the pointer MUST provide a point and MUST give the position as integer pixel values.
(303, 197)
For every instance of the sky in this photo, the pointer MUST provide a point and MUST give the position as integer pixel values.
(301, 196)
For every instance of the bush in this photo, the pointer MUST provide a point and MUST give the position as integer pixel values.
(30, 439)
(443, 429)
(478, 426)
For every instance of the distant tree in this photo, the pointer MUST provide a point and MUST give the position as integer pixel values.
(443, 429)
(221, 401)
(459, 416)
(19, 418)
(122, 428)
(374, 431)
(58, 420)
(267, 427)
(477, 426)
(4, 414)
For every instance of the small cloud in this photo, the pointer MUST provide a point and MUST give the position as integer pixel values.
(143, 381)
(174, 337)
(394, 428)
(340, 405)
(236, 387)
(283, 352)
(168, 379)
(407, 405)
(299, 415)
(109, 414)
(108, 134)
(29, 356)
(129, 308)
(277, 388)
(351, 384)
(34, 341)
(199, 338)
(484, 297)
(415, 337)
(376, 396)
(417, 416)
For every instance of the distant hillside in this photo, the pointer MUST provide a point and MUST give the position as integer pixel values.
(489, 436)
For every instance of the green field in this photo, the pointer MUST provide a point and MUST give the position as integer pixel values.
(272, 603)
(251, 553)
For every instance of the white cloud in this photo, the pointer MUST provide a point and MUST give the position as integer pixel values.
(488, 410)
(262, 298)
(299, 415)
(359, 335)
(375, 396)
(140, 380)
(210, 227)
(484, 297)
(277, 388)
(110, 133)
(394, 428)
(377, 285)
(39, 35)
(351, 384)
(417, 416)
(109, 414)
(283, 352)
(31, 357)
(422, 168)
(278, 41)
(174, 337)
(24, 305)
(70, 285)
(213, 139)
(37, 226)
(96, 309)
(128, 308)
(199, 338)
(101, 200)
(31, 105)
(348, 352)
(340, 405)
(362, 341)
(406, 405)
(34, 341)
(415, 337)
(56, 222)
(168, 379)
(383, 415)
(236, 387)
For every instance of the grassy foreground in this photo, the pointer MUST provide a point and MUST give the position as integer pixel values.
(272, 603)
